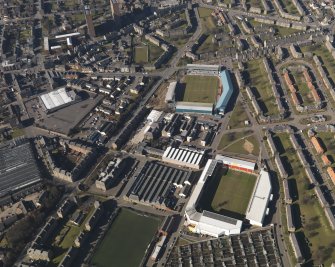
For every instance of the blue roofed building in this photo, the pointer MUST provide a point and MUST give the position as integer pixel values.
(227, 92)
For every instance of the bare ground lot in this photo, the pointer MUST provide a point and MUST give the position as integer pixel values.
(62, 120)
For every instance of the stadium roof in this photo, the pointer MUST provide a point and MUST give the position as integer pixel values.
(236, 162)
(204, 67)
(259, 200)
(208, 222)
(227, 92)
(57, 98)
(170, 92)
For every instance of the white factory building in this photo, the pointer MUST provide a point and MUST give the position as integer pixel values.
(258, 205)
(57, 99)
(184, 156)
(208, 223)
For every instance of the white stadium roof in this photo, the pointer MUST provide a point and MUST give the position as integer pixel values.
(57, 98)
(208, 222)
(259, 200)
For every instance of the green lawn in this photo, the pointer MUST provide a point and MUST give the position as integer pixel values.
(126, 241)
(228, 198)
(17, 132)
(228, 138)
(178, 41)
(260, 83)
(207, 21)
(255, 3)
(289, 7)
(141, 55)
(314, 223)
(238, 117)
(302, 87)
(244, 146)
(201, 89)
(204, 12)
(326, 57)
(154, 52)
(67, 236)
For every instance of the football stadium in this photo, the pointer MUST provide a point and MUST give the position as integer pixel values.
(205, 90)
(216, 208)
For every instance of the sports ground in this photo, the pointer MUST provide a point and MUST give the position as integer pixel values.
(199, 89)
(141, 54)
(234, 192)
(126, 241)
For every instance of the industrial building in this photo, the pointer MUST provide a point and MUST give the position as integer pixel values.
(237, 164)
(57, 99)
(156, 185)
(184, 156)
(258, 205)
(227, 91)
(206, 222)
(18, 166)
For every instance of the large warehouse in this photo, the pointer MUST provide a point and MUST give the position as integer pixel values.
(206, 222)
(57, 99)
(184, 156)
(156, 183)
(18, 166)
(237, 164)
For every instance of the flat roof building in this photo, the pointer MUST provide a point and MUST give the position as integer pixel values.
(57, 99)
(18, 166)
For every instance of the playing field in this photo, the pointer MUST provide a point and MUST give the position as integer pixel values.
(141, 54)
(126, 241)
(234, 192)
(200, 89)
